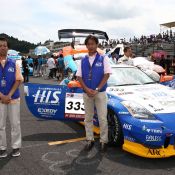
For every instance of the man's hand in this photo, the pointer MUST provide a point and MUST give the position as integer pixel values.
(5, 99)
(94, 92)
(91, 92)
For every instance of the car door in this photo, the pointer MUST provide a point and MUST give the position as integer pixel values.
(56, 102)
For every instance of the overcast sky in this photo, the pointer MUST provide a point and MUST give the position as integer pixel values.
(39, 20)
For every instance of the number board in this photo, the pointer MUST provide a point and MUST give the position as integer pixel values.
(74, 107)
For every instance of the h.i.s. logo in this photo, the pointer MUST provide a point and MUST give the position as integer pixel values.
(47, 97)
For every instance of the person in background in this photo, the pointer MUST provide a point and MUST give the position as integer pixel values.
(173, 64)
(114, 58)
(55, 69)
(93, 73)
(35, 66)
(162, 61)
(167, 64)
(30, 61)
(25, 67)
(44, 65)
(61, 65)
(10, 80)
(149, 57)
(51, 66)
(127, 58)
(40, 62)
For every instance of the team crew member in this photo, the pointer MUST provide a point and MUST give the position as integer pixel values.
(10, 79)
(126, 59)
(51, 66)
(93, 74)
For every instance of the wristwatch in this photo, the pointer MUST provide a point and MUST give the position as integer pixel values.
(97, 89)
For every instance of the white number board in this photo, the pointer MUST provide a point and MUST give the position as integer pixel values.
(74, 106)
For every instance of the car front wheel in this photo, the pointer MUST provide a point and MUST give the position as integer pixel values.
(115, 134)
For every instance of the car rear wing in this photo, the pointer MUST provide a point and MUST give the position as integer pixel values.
(73, 33)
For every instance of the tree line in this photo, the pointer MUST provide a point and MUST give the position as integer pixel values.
(21, 46)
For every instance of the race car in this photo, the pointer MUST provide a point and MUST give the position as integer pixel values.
(141, 112)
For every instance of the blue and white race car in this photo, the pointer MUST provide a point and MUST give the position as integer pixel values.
(141, 112)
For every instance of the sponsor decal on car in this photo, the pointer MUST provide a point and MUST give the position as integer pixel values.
(116, 89)
(127, 126)
(47, 111)
(150, 130)
(129, 138)
(159, 94)
(151, 138)
(125, 93)
(147, 89)
(46, 97)
(150, 121)
(154, 152)
(155, 109)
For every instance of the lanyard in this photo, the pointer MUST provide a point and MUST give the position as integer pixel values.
(3, 81)
(3, 70)
(90, 73)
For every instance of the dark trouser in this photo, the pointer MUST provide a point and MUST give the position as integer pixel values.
(62, 71)
(51, 72)
(54, 72)
(26, 76)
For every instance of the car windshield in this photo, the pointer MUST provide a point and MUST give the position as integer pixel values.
(123, 76)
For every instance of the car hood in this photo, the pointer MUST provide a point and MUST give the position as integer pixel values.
(156, 98)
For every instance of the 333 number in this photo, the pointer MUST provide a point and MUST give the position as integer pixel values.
(75, 105)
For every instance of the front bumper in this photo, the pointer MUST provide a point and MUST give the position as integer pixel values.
(140, 150)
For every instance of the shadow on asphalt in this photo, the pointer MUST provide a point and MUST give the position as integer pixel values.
(52, 136)
(89, 160)
(5, 161)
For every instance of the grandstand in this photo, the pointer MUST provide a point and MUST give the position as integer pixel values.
(163, 41)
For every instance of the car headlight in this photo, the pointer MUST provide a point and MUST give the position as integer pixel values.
(137, 110)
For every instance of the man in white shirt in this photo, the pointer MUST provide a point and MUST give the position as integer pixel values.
(51, 66)
(126, 59)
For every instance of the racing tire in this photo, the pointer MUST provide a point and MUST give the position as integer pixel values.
(115, 134)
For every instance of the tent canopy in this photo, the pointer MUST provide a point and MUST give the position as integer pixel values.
(169, 24)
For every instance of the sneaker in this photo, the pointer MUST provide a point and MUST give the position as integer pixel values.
(16, 152)
(3, 153)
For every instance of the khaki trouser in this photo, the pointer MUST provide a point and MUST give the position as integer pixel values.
(100, 101)
(13, 112)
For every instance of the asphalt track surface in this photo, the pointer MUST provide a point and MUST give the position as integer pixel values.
(40, 158)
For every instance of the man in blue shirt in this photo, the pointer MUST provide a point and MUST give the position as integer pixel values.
(93, 73)
(61, 65)
(10, 79)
